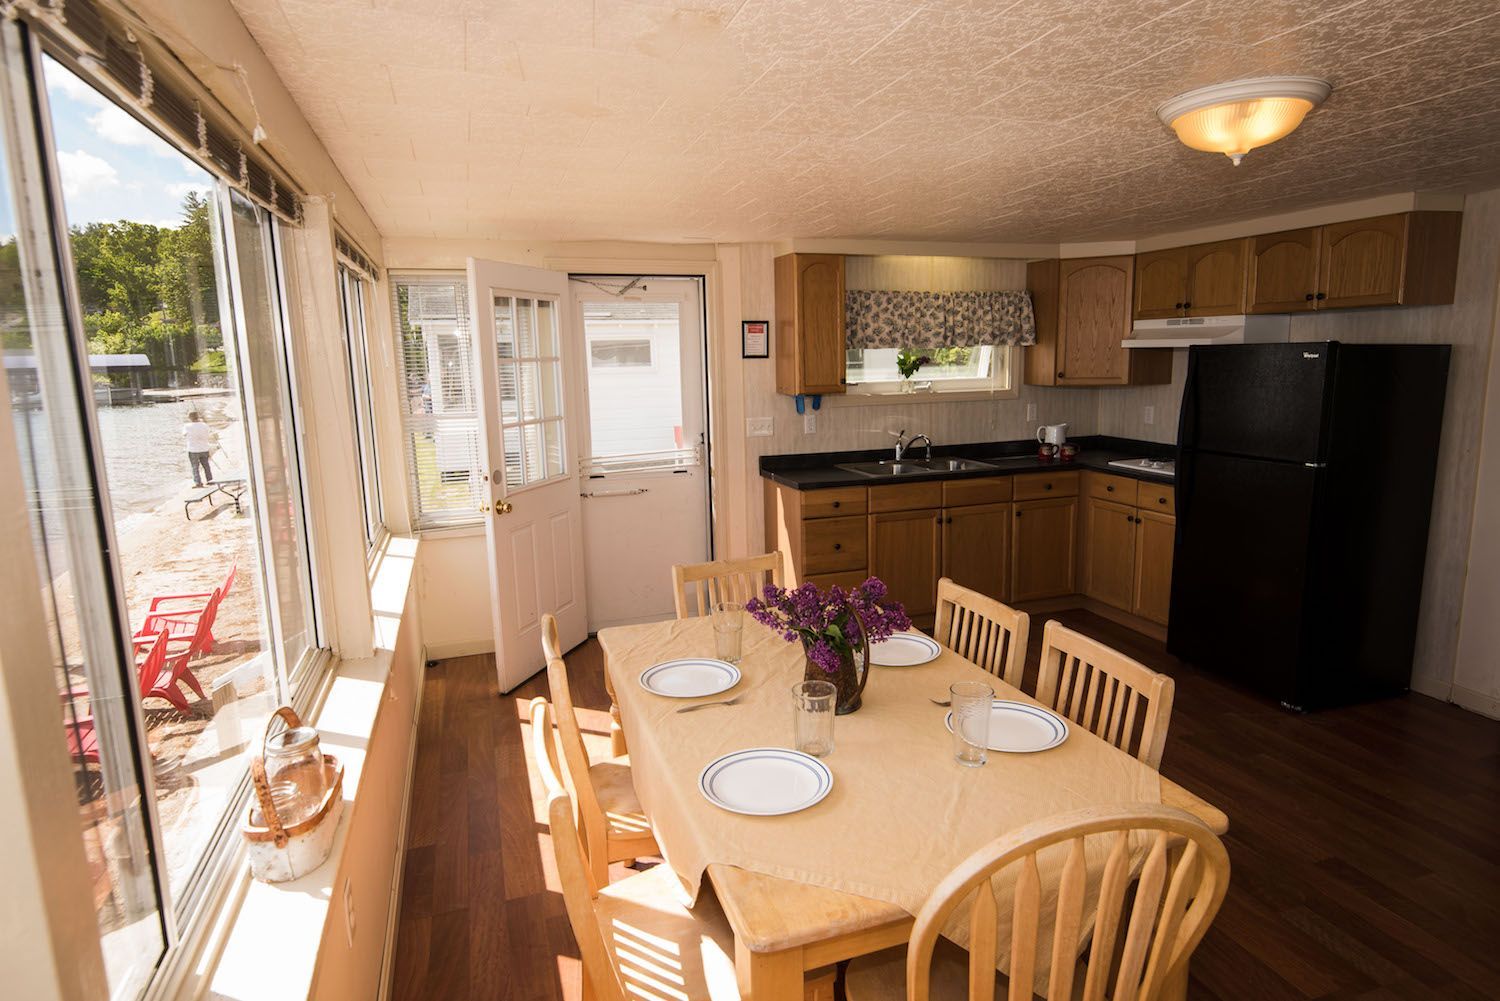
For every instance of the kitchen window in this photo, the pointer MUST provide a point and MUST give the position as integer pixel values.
(439, 402)
(152, 404)
(964, 369)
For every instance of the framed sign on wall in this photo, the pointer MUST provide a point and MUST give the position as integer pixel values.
(755, 339)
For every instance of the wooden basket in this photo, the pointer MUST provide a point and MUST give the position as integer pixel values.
(278, 853)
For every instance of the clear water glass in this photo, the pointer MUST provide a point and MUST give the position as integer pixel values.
(971, 721)
(729, 630)
(812, 717)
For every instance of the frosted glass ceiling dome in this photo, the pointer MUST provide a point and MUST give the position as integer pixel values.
(1234, 118)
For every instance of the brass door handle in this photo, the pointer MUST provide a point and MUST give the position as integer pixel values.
(502, 507)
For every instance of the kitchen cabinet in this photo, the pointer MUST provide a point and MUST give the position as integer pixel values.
(1109, 552)
(976, 540)
(1409, 259)
(905, 549)
(1129, 531)
(810, 323)
(1284, 271)
(1206, 279)
(1083, 312)
(1043, 536)
(1155, 537)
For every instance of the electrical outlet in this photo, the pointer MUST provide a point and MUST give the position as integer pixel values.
(759, 427)
(1150, 415)
(1031, 411)
(349, 911)
(810, 422)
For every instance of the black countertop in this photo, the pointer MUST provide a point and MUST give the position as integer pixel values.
(819, 470)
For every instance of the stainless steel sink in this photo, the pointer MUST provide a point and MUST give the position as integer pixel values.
(910, 467)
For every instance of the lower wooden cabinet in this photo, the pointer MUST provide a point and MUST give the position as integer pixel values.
(1109, 552)
(1155, 537)
(905, 550)
(976, 541)
(1043, 537)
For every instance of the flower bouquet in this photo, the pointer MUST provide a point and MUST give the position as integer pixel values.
(835, 627)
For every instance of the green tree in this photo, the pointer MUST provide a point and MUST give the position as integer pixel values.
(117, 266)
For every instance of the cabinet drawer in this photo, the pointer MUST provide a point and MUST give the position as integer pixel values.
(848, 579)
(833, 503)
(1158, 498)
(1035, 486)
(906, 497)
(833, 544)
(990, 490)
(1106, 486)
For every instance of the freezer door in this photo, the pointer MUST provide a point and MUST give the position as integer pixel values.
(1239, 574)
(1270, 401)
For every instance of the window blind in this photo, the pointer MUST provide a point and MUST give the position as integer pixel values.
(439, 405)
(102, 43)
(351, 255)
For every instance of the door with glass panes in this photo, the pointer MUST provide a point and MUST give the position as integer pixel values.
(532, 517)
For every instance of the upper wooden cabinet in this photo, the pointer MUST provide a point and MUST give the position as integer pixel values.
(1407, 259)
(1082, 312)
(1284, 271)
(810, 323)
(1207, 279)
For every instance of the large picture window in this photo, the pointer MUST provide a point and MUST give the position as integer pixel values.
(353, 291)
(158, 436)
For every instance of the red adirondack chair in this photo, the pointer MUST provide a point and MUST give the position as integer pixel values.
(178, 612)
(83, 739)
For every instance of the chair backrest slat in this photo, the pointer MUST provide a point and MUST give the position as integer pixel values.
(1168, 917)
(698, 587)
(1107, 693)
(981, 630)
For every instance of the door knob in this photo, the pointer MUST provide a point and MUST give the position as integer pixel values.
(502, 507)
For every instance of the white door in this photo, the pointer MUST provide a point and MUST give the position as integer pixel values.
(645, 471)
(533, 524)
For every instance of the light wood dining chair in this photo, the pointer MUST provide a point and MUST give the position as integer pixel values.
(636, 938)
(1104, 691)
(983, 631)
(1136, 948)
(698, 587)
(615, 828)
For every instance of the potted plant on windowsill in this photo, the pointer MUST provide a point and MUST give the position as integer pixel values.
(908, 362)
(835, 627)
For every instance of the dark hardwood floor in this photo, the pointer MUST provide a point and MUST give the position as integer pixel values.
(1364, 841)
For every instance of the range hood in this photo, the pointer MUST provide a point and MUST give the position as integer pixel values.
(1185, 331)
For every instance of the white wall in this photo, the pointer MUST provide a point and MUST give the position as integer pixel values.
(1469, 326)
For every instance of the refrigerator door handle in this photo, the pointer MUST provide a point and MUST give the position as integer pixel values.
(1316, 465)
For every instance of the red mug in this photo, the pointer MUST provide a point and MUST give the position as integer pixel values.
(1046, 453)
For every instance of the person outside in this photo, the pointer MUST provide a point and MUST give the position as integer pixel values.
(200, 445)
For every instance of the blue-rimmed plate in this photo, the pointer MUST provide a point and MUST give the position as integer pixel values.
(690, 678)
(765, 781)
(1021, 728)
(904, 650)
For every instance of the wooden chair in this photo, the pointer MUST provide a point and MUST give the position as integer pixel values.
(1137, 948)
(704, 585)
(615, 828)
(1101, 689)
(982, 630)
(635, 937)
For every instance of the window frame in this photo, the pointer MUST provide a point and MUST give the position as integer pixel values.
(1002, 384)
(354, 290)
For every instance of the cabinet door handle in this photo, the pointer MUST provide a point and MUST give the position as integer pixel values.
(836, 504)
(1309, 297)
(1187, 305)
(1161, 500)
(1018, 514)
(1059, 375)
(837, 546)
(1046, 486)
(1109, 487)
(1176, 305)
(1321, 296)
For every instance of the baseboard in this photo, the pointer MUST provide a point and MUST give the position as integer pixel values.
(459, 648)
(1482, 703)
(1073, 602)
(1434, 688)
(393, 916)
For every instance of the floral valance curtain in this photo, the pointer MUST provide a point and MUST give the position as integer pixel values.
(876, 319)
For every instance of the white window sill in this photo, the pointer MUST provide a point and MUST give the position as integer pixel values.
(856, 397)
(268, 937)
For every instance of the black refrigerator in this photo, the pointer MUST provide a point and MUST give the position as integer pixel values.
(1304, 490)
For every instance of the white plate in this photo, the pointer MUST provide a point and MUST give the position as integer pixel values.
(765, 781)
(1020, 727)
(690, 678)
(904, 650)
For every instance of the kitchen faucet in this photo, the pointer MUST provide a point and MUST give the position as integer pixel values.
(902, 444)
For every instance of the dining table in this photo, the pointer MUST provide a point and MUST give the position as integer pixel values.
(845, 877)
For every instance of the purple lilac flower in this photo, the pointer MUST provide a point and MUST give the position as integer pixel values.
(821, 619)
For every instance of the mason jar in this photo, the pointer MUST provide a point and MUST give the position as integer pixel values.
(294, 771)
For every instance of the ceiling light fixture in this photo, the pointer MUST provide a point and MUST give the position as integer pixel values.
(1234, 118)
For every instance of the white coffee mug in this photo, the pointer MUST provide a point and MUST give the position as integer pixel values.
(1052, 434)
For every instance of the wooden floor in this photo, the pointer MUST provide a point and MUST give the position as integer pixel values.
(1364, 841)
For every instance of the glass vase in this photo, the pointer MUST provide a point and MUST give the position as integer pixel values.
(850, 677)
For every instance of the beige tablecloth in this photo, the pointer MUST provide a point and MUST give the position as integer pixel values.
(902, 812)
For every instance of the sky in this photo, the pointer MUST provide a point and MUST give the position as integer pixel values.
(112, 167)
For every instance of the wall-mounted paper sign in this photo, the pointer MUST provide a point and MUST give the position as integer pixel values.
(755, 339)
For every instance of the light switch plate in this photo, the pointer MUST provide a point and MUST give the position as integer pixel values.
(1150, 415)
(810, 422)
(759, 427)
(1031, 411)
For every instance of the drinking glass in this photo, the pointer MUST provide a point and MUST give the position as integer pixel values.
(971, 721)
(729, 628)
(812, 723)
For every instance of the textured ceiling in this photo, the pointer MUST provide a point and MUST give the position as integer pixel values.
(1031, 120)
